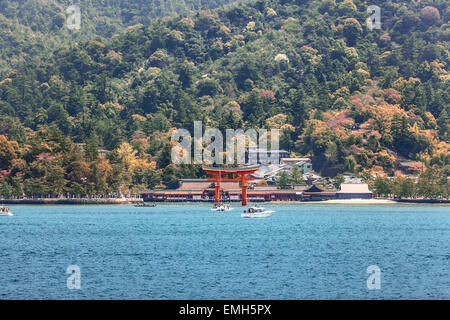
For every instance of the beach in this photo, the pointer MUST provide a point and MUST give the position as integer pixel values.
(356, 201)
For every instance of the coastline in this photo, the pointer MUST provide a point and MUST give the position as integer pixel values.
(124, 201)
(356, 201)
(46, 201)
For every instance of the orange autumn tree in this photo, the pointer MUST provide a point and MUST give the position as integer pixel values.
(102, 173)
(134, 168)
(8, 152)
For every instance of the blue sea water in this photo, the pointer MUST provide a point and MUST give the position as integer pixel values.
(304, 251)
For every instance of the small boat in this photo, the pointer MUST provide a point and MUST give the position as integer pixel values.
(5, 212)
(219, 206)
(222, 208)
(145, 205)
(257, 212)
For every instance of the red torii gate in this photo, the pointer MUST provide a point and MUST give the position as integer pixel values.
(218, 174)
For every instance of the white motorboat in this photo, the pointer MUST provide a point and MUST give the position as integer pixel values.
(257, 212)
(222, 207)
(5, 212)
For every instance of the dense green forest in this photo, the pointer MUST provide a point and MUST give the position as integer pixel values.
(357, 100)
(30, 29)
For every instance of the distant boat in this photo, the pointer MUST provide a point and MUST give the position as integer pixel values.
(5, 212)
(257, 212)
(222, 207)
(145, 205)
(219, 206)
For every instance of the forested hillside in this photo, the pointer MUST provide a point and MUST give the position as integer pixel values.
(30, 29)
(357, 100)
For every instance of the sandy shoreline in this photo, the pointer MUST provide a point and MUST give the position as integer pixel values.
(336, 201)
(356, 201)
(235, 204)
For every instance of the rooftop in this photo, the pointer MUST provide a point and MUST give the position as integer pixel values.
(195, 185)
(295, 159)
(354, 188)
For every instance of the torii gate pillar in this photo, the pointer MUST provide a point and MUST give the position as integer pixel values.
(244, 189)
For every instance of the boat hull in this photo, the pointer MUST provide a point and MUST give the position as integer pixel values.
(265, 214)
(6, 214)
(221, 210)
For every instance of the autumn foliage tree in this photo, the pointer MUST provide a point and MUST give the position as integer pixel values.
(430, 15)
